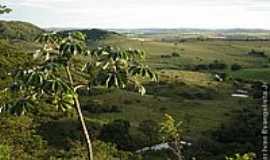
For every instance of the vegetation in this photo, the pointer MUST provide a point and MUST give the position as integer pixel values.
(4, 9)
(106, 66)
(248, 156)
(120, 121)
(95, 34)
(14, 30)
(173, 134)
(236, 67)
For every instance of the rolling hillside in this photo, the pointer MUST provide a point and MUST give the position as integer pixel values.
(94, 34)
(15, 30)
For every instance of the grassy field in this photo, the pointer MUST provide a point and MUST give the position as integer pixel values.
(198, 52)
(262, 74)
(193, 97)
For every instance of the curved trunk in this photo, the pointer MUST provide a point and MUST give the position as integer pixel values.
(81, 118)
(85, 131)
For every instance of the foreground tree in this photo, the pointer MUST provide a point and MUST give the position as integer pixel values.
(54, 79)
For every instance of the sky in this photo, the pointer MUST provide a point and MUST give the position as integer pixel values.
(211, 14)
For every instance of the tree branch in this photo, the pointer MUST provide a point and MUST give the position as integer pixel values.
(80, 86)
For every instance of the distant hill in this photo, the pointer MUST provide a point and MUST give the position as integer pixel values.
(94, 34)
(16, 30)
(187, 30)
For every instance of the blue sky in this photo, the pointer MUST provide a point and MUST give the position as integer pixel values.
(142, 13)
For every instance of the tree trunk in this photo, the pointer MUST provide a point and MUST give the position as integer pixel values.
(85, 131)
(176, 148)
(81, 118)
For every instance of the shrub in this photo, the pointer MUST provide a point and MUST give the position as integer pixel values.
(217, 65)
(19, 134)
(257, 53)
(127, 102)
(138, 101)
(95, 106)
(175, 54)
(236, 67)
(231, 138)
(4, 152)
(162, 109)
(165, 56)
(202, 67)
(94, 91)
(103, 151)
(150, 129)
(117, 132)
(199, 94)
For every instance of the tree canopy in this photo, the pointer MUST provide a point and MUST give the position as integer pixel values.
(4, 9)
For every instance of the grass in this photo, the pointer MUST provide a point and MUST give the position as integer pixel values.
(262, 74)
(201, 114)
(180, 93)
(197, 52)
(195, 98)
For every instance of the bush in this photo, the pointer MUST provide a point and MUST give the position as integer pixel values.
(165, 56)
(230, 138)
(128, 102)
(175, 54)
(95, 106)
(162, 109)
(199, 94)
(217, 65)
(94, 91)
(257, 53)
(236, 67)
(19, 133)
(202, 67)
(102, 151)
(4, 152)
(150, 129)
(117, 132)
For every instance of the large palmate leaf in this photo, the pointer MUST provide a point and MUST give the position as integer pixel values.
(78, 36)
(117, 67)
(118, 80)
(143, 71)
(115, 53)
(63, 102)
(4, 9)
(57, 47)
(72, 45)
(18, 107)
(50, 47)
(27, 79)
(52, 66)
(55, 86)
(48, 38)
